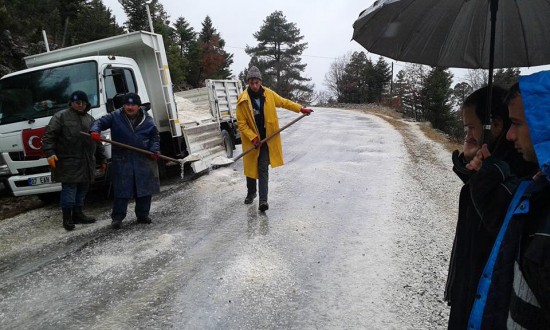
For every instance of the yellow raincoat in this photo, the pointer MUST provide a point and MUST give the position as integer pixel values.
(247, 126)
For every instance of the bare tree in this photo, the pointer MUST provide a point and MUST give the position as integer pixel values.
(323, 97)
(477, 78)
(409, 87)
(333, 78)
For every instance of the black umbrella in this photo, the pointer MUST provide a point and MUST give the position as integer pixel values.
(471, 34)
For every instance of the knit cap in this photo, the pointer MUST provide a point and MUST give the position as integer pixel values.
(253, 73)
(132, 98)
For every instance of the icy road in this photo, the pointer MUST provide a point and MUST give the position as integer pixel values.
(358, 236)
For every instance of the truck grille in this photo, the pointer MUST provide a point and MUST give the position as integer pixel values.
(20, 156)
(34, 170)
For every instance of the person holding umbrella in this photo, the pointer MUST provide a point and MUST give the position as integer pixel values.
(257, 119)
(135, 175)
(483, 199)
(514, 290)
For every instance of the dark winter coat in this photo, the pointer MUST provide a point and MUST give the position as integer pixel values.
(77, 154)
(482, 206)
(133, 174)
(534, 262)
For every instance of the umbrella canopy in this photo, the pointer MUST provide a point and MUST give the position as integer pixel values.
(457, 33)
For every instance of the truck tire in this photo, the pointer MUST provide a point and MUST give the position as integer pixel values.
(227, 143)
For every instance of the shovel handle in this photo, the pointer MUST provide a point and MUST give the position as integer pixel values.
(145, 152)
(269, 137)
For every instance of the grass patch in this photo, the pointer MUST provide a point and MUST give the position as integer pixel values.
(437, 136)
(397, 121)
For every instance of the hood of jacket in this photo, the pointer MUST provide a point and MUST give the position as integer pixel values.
(535, 94)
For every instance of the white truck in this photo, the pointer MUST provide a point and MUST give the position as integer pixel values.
(133, 62)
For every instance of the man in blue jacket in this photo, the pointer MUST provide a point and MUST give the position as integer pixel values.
(134, 175)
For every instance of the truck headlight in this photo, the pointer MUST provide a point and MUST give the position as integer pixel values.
(3, 166)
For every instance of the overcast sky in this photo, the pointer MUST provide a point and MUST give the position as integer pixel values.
(325, 25)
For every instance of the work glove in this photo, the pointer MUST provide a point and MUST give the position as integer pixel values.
(306, 111)
(51, 160)
(155, 155)
(103, 168)
(95, 136)
(256, 142)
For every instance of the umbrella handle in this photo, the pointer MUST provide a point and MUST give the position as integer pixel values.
(145, 152)
(269, 137)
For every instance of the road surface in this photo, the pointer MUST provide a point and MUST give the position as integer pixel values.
(358, 236)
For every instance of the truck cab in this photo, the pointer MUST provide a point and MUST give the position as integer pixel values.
(29, 98)
(104, 69)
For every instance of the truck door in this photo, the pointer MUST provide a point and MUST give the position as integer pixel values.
(118, 81)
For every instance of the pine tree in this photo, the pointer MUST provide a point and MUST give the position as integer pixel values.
(136, 13)
(278, 56)
(184, 35)
(215, 61)
(353, 80)
(94, 22)
(179, 54)
(378, 81)
(436, 95)
(505, 78)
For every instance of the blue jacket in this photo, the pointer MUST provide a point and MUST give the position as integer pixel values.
(133, 174)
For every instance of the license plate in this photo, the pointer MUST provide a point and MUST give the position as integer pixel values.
(40, 180)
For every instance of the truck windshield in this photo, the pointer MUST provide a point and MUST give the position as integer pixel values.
(42, 93)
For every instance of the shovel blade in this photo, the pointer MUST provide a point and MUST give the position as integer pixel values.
(221, 161)
(191, 158)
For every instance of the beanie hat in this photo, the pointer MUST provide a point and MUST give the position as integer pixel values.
(132, 98)
(80, 96)
(253, 73)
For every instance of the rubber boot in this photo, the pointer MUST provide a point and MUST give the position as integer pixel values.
(80, 217)
(68, 219)
(250, 197)
(264, 206)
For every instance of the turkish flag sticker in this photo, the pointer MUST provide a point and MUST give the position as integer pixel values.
(32, 142)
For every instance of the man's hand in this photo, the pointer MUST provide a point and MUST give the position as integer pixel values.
(256, 142)
(51, 160)
(306, 111)
(477, 161)
(95, 136)
(155, 155)
(103, 168)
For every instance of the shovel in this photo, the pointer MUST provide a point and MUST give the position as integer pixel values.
(188, 159)
(224, 161)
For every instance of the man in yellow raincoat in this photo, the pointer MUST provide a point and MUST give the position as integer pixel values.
(257, 119)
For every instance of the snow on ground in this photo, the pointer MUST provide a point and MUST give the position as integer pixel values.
(426, 210)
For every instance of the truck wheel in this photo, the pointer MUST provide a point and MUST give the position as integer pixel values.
(50, 198)
(227, 143)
